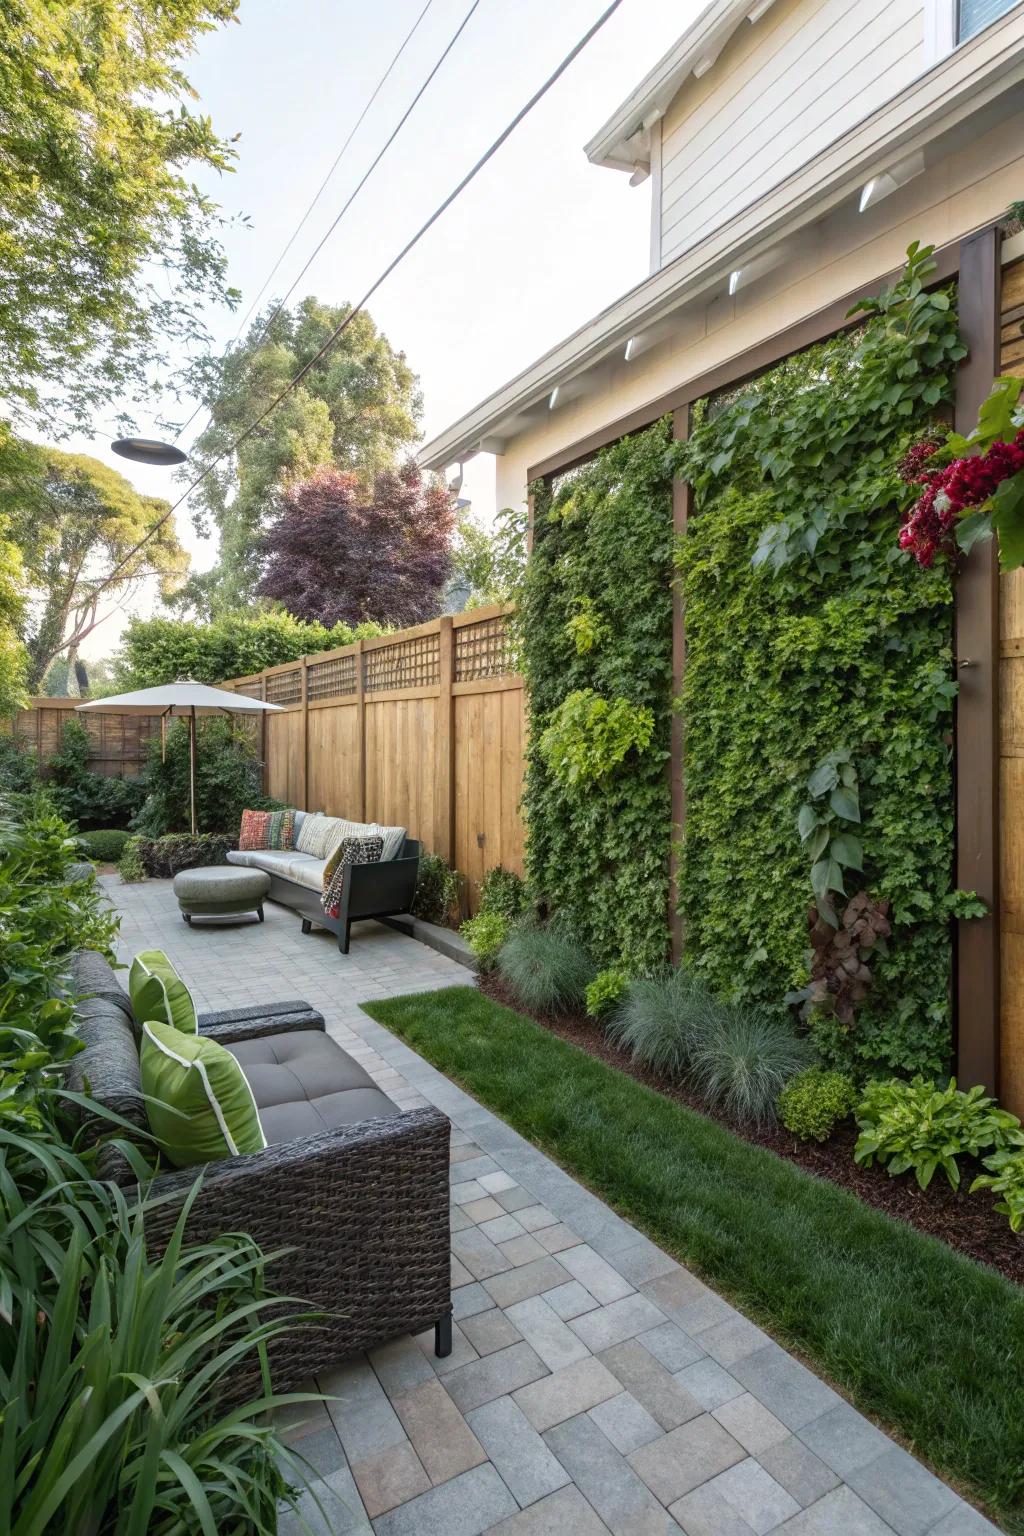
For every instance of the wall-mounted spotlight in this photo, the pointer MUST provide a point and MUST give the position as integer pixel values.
(640, 174)
(887, 182)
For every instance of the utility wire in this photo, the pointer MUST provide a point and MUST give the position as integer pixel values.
(262, 329)
(316, 198)
(470, 175)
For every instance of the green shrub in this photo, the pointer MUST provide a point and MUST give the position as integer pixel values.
(814, 1102)
(659, 1018)
(1005, 1178)
(18, 765)
(741, 1063)
(91, 800)
(130, 866)
(105, 846)
(604, 992)
(163, 857)
(437, 891)
(548, 969)
(916, 1125)
(504, 892)
(229, 780)
(485, 934)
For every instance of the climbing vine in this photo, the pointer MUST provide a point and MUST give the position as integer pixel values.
(596, 635)
(810, 634)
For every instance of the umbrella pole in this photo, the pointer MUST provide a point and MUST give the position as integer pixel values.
(192, 765)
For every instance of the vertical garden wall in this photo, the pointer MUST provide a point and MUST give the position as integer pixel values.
(597, 643)
(817, 697)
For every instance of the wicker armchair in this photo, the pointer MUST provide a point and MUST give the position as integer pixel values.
(361, 1211)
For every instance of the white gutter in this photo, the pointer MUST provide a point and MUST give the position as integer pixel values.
(949, 93)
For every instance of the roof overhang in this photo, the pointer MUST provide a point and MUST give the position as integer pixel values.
(939, 112)
(624, 143)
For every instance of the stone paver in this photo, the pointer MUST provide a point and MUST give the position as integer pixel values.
(595, 1386)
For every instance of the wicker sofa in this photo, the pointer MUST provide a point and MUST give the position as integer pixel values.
(360, 1203)
(370, 890)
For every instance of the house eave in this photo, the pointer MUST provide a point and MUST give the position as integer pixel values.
(938, 101)
(624, 140)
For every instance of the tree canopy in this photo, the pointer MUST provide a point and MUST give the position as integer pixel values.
(340, 554)
(356, 409)
(74, 520)
(107, 251)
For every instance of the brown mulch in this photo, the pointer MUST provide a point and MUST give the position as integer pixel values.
(968, 1223)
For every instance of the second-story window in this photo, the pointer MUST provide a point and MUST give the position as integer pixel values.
(976, 14)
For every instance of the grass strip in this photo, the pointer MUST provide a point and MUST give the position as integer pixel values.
(925, 1340)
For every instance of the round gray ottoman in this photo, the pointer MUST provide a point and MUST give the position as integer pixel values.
(220, 891)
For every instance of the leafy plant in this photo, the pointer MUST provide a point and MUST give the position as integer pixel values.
(160, 650)
(586, 628)
(1005, 1178)
(437, 891)
(485, 934)
(824, 823)
(831, 641)
(743, 1059)
(87, 798)
(916, 1125)
(599, 845)
(604, 992)
(130, 866)
(18, 765)
(660, 1017)
(589, 736)
(840, 951)
(106, 846)
(504, 892)
(814, 1102)
(547, 968)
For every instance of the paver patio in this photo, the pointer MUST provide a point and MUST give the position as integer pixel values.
(594, 1385)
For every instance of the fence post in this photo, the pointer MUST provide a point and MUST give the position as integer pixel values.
(361, 733)
(444, 737)
(263, 731)
(304, 758)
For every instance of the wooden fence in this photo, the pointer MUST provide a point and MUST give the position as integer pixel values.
(117, 742)
(422, 729)
(1011, 753)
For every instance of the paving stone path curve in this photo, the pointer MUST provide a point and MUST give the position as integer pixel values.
(595, 1386)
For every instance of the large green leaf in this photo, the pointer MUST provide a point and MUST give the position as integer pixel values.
(1008, 521)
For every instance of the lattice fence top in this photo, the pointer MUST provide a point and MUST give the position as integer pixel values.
(284, 687)
(331, 679)
(252, 690)
(482, 650)
(414, 663)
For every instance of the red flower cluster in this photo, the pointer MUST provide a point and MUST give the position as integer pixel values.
(929, 525)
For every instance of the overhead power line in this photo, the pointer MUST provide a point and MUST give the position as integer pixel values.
(264, 327)
(396, 261)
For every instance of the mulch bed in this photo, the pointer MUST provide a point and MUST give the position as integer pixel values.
(968, 1223)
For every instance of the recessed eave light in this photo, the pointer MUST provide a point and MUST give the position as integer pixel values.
(553, 397)
(640, 174)
(631, 348)
(889, 181)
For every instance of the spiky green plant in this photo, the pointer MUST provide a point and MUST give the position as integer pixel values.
(659, 1019)
(741, 1062)
(547, 968)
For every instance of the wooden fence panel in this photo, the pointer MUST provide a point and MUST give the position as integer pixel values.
(118, 743)
(422, 729)
(1011, 747)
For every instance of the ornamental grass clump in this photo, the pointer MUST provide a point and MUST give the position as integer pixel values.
(743, 1060)
(659, 1019)
(547, 968)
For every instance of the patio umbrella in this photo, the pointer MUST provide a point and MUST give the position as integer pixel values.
(184, 698)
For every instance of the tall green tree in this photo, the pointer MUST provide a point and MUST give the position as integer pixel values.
(74, 521)
(108, 253)
(356, 409)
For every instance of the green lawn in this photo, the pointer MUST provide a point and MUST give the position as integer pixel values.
(925, 1340)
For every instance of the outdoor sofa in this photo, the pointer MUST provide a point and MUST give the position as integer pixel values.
(382, 889)
(354, 1189)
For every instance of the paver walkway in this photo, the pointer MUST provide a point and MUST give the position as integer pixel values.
(595, 1385)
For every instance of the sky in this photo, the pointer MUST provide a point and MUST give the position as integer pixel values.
(541, 241)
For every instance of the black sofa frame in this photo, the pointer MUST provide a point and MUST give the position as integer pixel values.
(369, 890)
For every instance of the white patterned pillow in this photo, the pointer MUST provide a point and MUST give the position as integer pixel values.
(393, 838)
(319, 835)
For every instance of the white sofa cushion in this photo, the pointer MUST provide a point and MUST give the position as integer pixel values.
(307, 871)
